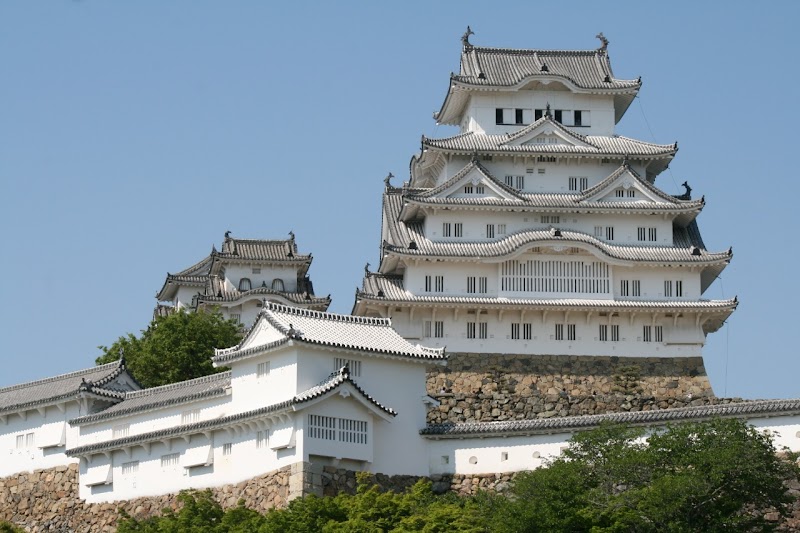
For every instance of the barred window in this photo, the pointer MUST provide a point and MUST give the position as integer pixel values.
(262, 370)
(483, 330)
(227, 448)
(170, 459)
(446, 229)
(603, 336)
(470, 330)
(459, 229)
(353, 365)
(559, 332)
(439, 283)
(614, 332)
(352, 431)
(526, 331)
(187, 417)
(262, 439)
(571, 332)
(121, 430)
(647, 334)
(131, 467)
(490, 231)
(515, 331)
(321, 427)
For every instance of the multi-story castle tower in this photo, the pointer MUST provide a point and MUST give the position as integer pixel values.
(537, 229)
(240, 276)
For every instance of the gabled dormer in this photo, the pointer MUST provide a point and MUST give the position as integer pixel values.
(626, 185)
(546, 131)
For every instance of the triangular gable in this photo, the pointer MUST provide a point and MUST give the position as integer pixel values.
(343, 387)
(544, 131)
(625, 179)
(474, 175)
(261, 334)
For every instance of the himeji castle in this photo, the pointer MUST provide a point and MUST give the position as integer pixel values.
(238, 277)
(537, 229)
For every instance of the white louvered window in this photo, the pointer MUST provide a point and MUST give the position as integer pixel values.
(603, 334)
(483, 284)
(120, 431)
(490, 231)
(577, 183)
(244, 284)
(458, 229)
(640, 234)
(647, 334)
(227, 448)
(470, 330)
(30, 440)
(667, 288)
(438, 329)
(170, 460)
(426, 329)
(480, 189)
(679, 288)
(619, 193)
(551, 219)
(520, 182)
(428, 285)
(630, 193)
(659, 333)
(559, 333)
(571, 332)
(321, 427)
(652, 234)
(515, 331)
(509, 180)
(353, 365)
(555, 276)
(470, 284)
(614, 332)
(191, 416)
(598, 232)
(610, 233)
(624, 287)
(501, 229)
(262, 439)
(483, 330)
(129, 468)
(439, 285)
(447, 229)
(262, 370)
(352, 431)
(467, 189)
(277, 284)
(20, 441)
(527, 330)
(236, 317)
(636, 287)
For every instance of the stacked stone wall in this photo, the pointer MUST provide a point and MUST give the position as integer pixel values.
(47, 500)
(489, 387)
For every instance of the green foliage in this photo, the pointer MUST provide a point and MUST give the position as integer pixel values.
(6, 527)
(717, 476)
(174, 348)
(721, 475)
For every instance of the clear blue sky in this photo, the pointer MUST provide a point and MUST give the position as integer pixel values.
(134, 134)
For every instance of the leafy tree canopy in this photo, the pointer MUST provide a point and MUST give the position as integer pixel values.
(174, 348)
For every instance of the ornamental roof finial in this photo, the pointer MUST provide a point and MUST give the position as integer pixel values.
(366, 269)
(688, 192)
(603, 41)
(547, 111)
(291, 235)
(465, 39)
(228, 234)
(388, 179)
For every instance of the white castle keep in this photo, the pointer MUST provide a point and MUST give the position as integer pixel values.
(536, 230)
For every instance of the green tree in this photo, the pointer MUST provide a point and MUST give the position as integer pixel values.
(174, 348)
(721, 475)
(6, 527)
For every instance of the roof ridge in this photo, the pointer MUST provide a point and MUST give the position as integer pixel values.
(51, 379)
(178, 385)
(532, 51)
(324, 315)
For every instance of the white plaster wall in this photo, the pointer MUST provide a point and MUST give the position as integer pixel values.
(346, 408)
(234, 273)
(245, 461)
(251, 392)
(184, 296)
(481, 108)
(29, 458)
(153, 420)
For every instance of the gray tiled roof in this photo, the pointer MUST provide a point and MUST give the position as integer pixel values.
(574, 201)
(746, 409)
(401, 236)
(258, 249)
(334, 382)
(503, 67)
(96, 380)
(215, 291)
(389, 288)
(596, 145)
(348, 332)
(164, 396)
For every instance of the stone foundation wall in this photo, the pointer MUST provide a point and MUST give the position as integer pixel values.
(47, 500)
(486, 387)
